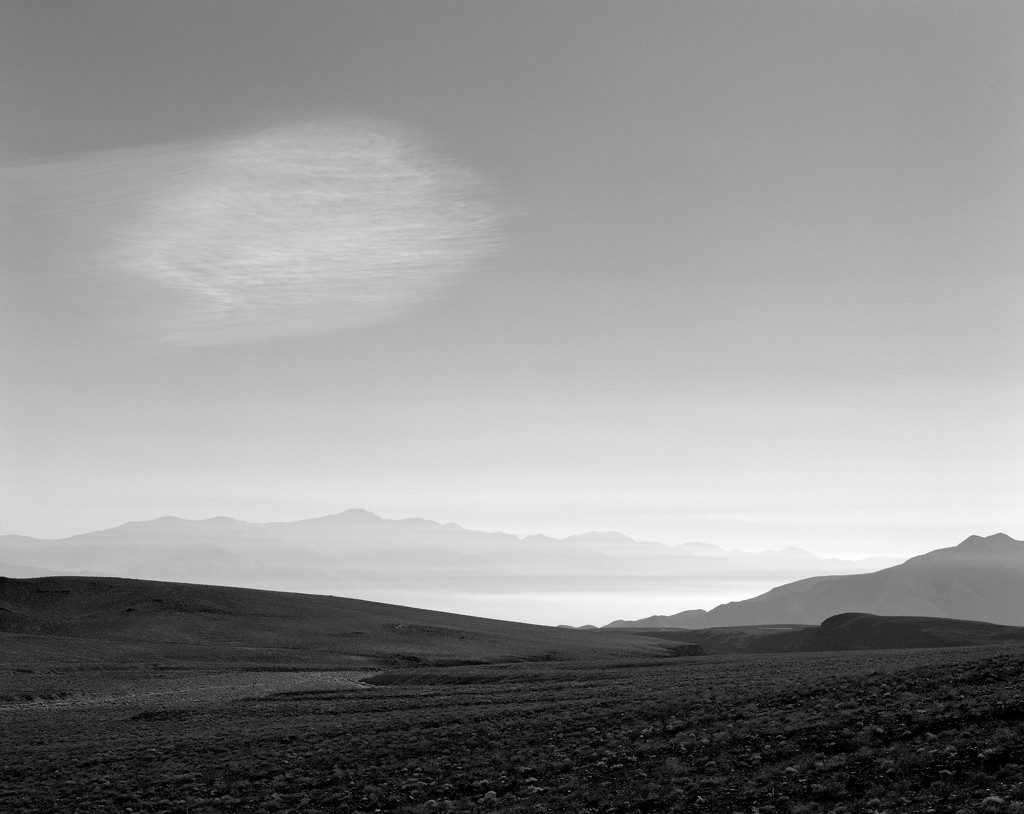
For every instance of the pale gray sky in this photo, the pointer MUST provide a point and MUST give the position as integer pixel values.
(740, 272)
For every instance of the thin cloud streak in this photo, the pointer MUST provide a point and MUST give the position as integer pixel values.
(291, 231)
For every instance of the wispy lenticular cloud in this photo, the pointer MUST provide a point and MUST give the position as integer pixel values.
(289, 231)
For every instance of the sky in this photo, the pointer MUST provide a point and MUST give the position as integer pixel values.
(746, 273)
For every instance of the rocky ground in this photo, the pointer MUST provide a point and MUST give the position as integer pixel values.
(899, 731)
(124, 690)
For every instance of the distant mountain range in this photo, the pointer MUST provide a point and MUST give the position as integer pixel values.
(981, 579)
(421, 563)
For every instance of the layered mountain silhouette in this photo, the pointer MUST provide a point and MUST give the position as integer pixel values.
(417, 562)
(981, 579)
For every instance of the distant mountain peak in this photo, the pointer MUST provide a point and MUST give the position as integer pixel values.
(980, 579)
(993, 543)
(998, 537)
(599, 537)
(350, 516)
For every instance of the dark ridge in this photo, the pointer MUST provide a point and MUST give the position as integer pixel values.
(111, 622)
(846, 631)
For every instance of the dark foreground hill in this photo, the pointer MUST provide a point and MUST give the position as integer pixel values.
(846, 631)
(981, 579)
(61, 623)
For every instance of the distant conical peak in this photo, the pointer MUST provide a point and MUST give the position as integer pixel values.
(353, 515)
(359, 513)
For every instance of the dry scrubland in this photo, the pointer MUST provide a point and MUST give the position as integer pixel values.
(900, 731)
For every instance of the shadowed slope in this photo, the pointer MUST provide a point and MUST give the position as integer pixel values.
(981, 579)
(60, 622)
(847, 631)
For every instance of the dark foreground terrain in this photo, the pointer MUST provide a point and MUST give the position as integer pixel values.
(901, 731)
(574, 722)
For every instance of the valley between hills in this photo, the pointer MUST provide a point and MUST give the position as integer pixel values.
(120, 695)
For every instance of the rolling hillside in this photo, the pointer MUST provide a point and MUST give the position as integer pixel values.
(61, 623)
